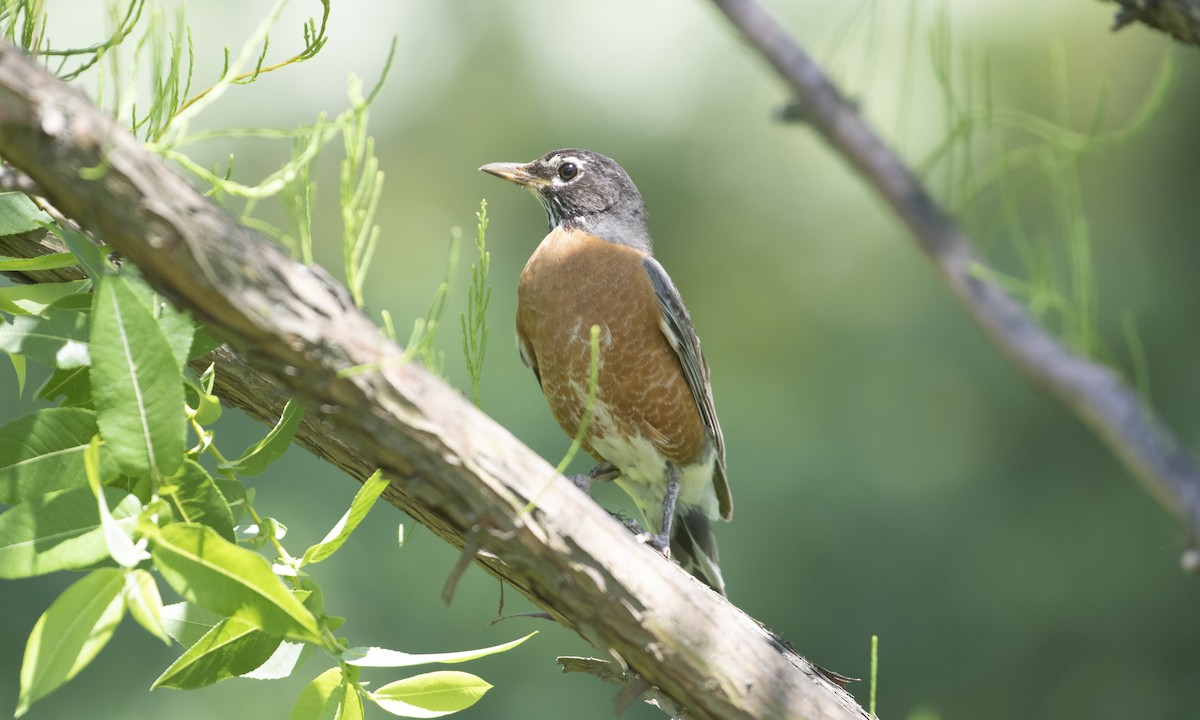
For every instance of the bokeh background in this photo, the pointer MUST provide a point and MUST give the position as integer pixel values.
(893, 476)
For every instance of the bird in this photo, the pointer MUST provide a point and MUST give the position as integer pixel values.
(652, 427)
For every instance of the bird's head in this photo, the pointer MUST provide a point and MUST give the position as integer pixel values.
(583, 190)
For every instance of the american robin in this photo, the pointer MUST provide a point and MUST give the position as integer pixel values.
(653, 426)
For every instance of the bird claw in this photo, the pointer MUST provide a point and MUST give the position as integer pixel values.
(659, 542)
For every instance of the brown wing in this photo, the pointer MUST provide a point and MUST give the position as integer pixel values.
(527, 356)
(677, 326)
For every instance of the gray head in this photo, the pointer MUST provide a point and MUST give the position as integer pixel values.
(583, 190)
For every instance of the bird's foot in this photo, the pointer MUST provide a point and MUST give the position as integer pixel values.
(603, 472)
(660, 541)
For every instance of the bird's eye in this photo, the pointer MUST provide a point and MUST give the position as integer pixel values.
(567, 170)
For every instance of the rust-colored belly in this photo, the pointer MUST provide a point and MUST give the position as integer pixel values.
(574, 281)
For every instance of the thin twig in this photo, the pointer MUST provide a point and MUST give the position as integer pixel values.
(1094, 392)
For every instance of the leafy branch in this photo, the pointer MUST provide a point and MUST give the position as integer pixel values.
(1093, 391)
(479, 294)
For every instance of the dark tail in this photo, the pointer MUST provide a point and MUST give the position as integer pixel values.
(695, 549)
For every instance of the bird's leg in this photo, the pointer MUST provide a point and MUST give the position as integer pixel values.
(662, 541)
(603, 472)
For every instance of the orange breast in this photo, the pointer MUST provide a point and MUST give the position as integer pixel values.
(574, 281)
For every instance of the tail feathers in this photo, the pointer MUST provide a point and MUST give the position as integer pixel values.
(695, 549)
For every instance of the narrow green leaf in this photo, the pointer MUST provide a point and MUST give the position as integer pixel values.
(210, 571)
(53, 261)
(145, 603)
(363, 500)
(121, 547)
(234, 493)
(349, 705)
(43, 451)
(70, 633)
(282, 663)
(33, 299)
(231, 648)
(176, 325)
(195, 498)
(257, 457)
(89, 254)
(18, 364)
(187, 622)
(137, 384)
(60, 531)
(382, 657)
(203, 343)
(18, 214)
(430, 695)
(72, 385)
(58, 338)
(324, 691)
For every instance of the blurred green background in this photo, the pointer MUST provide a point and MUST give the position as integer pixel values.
(892, 474)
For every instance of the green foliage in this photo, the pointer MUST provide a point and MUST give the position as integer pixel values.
(109, 481)
(74, 629)
(874, 673)
(424, 332)
(479, 294)
(997, 167)
(361, 186)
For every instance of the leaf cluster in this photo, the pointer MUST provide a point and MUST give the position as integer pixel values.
(124, 481)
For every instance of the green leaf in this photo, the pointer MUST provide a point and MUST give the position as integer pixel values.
(210, 571)
(430, 695)
(70, 633)
(18, 214)
(72, 385)
(381, 657)
(234, 493)
(257, 457)
(187, 622)
(207, 409)
(145, 603)
(35, 298)
(231, 648)
(60, 531)
(363, 500)
(176, 325)
(282, 663)
(329, 697)
(137, 384)
(43, 451)
(53, 261)
(18, 364)
(90, 256)
(195, 498)
(121, 547)
(203, 343)
(58, 338)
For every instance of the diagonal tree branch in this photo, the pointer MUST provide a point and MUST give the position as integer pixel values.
(1178, 18)
(1092, 391)
(450, 466)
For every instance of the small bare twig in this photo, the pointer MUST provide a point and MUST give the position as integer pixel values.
(1095, 393)
(632, 686)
